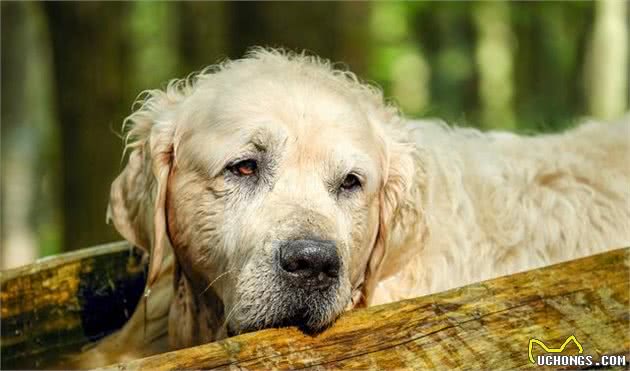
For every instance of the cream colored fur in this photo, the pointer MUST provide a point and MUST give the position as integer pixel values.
(442, 206)
(490, 204)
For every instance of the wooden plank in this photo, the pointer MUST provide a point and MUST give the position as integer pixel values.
(482, 326)
(60, 303)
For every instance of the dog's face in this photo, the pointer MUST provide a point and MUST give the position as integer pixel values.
(274, 195)
(275, 189)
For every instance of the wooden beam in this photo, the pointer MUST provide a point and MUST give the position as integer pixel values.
(61, 303)
(482, 326)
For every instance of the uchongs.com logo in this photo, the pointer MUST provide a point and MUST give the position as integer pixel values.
(552, 356)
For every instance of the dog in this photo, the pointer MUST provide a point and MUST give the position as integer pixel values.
(276, 190)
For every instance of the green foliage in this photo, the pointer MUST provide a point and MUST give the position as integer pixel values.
(71, 70)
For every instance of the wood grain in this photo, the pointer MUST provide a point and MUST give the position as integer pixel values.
(482, 326)
(60, 303)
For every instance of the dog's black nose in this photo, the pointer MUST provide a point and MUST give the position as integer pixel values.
(314, 262)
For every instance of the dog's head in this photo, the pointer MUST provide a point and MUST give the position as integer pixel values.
(274, 178)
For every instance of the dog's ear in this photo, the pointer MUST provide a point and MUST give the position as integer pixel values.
(138, 195)
(397, 178)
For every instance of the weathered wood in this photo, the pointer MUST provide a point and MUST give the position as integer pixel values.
(58, 304)
(482, 326)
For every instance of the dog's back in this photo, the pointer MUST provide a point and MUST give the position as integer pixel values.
(496, 203)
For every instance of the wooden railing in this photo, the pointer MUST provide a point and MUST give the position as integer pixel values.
(60, 303)
(488, 325)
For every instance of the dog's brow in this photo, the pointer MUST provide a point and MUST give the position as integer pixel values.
(262, 138)
(258, 141)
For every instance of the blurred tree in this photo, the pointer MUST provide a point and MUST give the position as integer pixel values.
(334, 30)
(607, 60)
(446, 35)
(354, 42)
(90, 44)
(397, 60)
(202, 34)
(495, 59)
(549, 54)
(275, 24)
(29, 222)
(153, 44)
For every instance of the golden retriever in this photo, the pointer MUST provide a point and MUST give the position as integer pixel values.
(289, 191)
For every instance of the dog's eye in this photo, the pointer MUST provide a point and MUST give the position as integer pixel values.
(244, 168)
(350, 182)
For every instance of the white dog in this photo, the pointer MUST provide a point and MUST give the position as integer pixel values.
(289, 192)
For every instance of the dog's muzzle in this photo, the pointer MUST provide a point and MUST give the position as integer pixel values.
(304, 290)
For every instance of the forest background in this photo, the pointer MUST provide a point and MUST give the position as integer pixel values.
(70, 72)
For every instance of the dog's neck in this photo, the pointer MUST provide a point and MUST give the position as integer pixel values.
(437, 224)
(436, 197)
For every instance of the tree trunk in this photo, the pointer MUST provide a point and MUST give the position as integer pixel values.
(292, 25)
(89, 68)
(30, 223)
(607, 66)
(202, 37)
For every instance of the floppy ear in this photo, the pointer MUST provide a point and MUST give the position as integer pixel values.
(138, 195)
(397, 178)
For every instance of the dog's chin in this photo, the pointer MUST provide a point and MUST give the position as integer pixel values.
(312, 315)
(301, 321)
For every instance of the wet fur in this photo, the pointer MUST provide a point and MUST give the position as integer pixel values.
(444, 207)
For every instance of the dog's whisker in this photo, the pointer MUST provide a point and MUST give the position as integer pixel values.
(215, 280)
(239, 305)
(227, 318)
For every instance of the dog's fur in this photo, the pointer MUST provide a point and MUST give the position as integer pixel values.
(439, 207)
